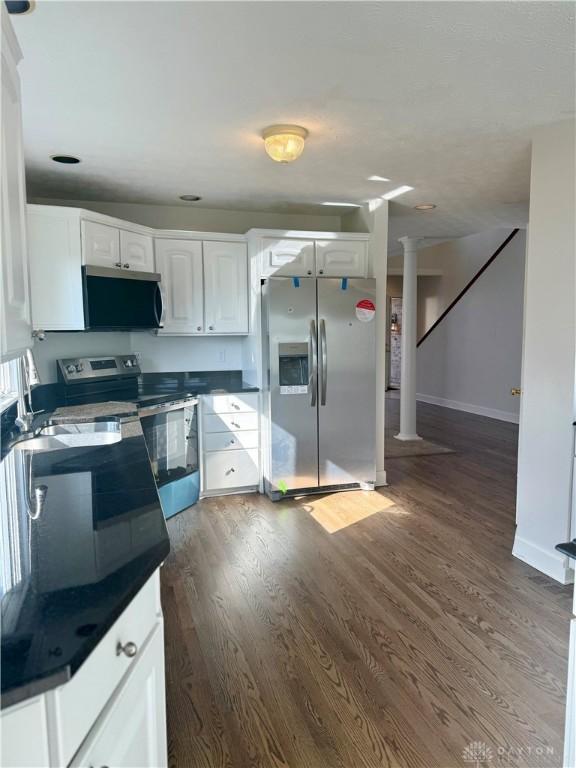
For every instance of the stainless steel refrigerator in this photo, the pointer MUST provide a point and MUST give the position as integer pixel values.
(320, 384)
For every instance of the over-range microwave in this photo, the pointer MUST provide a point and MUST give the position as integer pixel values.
(121, 300)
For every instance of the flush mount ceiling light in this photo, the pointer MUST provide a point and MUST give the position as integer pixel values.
(377, 178)
(66, 159)
(190, 198)
(284, 143)
(395, 192)
(425, 207)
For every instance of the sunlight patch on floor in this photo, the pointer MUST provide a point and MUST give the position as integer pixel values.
(337, 511)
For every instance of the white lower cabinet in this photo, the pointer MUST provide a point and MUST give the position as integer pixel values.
(131, 731)
(230, 443)
(112, 712)
(18, 724)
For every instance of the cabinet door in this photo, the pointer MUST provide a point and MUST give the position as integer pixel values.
(287, 257)
(131, 731)
(340, 258)
(179, 263)
(226, 287)
(24, 731)
(136, 251)
(15, 330)
(100, 245)
(55, 257)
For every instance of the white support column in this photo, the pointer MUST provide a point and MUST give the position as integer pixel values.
(408, 363)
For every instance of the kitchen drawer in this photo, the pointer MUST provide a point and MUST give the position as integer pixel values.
(230, 422)
(78, 702)
(230, 469)
(230, 403)
(231, 441)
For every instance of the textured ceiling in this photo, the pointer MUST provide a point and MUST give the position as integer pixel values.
(165, 98)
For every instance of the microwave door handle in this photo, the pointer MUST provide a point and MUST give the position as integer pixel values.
(313, 364)
(159, 299)
(323, 363)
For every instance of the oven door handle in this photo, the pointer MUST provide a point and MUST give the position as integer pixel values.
(155, 410)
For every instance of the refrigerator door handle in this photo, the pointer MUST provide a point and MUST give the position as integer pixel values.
(313, 364)
(323, 363)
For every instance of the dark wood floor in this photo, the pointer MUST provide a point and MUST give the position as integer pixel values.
(397, 641)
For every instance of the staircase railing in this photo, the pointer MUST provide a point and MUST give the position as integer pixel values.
(469, 285)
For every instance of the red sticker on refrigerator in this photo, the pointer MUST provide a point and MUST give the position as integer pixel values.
(365, 310)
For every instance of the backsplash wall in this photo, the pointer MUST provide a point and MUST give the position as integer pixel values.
(156, 353)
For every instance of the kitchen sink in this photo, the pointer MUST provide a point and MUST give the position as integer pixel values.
(79, 435)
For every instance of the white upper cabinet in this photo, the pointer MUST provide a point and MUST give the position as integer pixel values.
(15, 324)
(55, 260)
(287, 257)
(100, 245)
(136, 251)
(340, 258)
(225, 287)
(179, 263)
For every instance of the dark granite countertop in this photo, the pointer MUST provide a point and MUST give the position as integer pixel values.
(69, 573)
(149, 389)
(568, 548)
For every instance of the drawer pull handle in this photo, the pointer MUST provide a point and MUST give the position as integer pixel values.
(128, 649)
(230, 470)
(235, 424)
(117, 263)
(235, 405)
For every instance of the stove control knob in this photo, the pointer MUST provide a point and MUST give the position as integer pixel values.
(79, 367)
(71, 368)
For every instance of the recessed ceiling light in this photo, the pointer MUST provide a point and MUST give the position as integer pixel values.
(425, 207)
(66, 159)
(344, 205)
(18, 7)
(190, 198)
(377, 178)
(284, 143)
(395, 192)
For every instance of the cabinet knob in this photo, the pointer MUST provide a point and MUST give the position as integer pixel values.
(198, 327)
(126, 266)
(309, 272)
(128, 649)
(320, 271)
(210, 327)
(118, 264)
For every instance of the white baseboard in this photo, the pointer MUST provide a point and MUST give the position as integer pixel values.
(551, 563)
(380, 478)
(479, 410)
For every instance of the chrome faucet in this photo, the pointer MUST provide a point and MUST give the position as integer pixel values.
(27, 378)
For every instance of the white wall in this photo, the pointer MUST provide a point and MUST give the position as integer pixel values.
(171, 353)
(202, 219)
(80, 344)
(473, 357)
(546, 447)
(454, 262)
(157, 353)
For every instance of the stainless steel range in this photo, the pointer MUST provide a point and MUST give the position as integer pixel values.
(169, 420)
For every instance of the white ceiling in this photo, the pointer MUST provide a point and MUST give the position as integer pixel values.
(165, 98)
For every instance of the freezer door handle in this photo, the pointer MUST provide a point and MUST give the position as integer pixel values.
(313, 363)
(323, 363)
